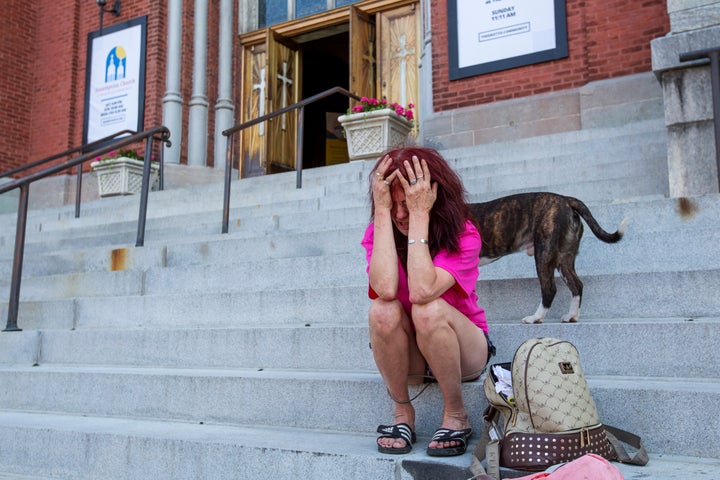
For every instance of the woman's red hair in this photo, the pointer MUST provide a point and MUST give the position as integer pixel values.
(450, 211)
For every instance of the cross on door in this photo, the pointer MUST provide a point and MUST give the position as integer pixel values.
(261, 102)
(369, 58)
(401, 54)
(286, 82)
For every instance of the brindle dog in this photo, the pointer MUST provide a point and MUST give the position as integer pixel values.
(548, 227)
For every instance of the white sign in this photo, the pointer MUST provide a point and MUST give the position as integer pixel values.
(491, 35)
(115, 85)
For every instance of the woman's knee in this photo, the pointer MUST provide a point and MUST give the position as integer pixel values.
(385, 315)
(430, 316)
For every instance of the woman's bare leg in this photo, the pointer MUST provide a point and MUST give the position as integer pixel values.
(453, 346)
(396, 356)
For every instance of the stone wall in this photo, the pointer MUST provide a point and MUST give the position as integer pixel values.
(692, 165)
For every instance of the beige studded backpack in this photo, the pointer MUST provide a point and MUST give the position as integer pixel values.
(541, 413)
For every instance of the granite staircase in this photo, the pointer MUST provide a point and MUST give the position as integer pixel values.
(245, 355)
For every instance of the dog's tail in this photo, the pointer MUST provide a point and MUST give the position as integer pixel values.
(584, 212)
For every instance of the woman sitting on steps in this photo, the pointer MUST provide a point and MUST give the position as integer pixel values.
(422, 262)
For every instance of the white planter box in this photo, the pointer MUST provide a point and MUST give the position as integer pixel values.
(122, 176)
(370, 134)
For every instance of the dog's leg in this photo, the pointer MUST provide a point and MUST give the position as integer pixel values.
(567, 270)
(574, 314)
(538, 316)
(544, 266)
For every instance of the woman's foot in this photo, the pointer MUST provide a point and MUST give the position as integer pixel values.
(404, 415)
(395, 439)
(449, 443)
(451, 424)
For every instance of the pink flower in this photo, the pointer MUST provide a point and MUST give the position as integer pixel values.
(371, 104)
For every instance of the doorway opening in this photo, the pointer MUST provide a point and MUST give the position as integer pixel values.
(325, 65)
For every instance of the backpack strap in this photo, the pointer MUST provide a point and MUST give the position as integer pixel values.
(617, 437)
(488, 447)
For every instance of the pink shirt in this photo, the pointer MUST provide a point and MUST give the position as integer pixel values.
(462, 265)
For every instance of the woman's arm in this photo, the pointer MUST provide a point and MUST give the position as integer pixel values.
(425, 281)
(383, 271)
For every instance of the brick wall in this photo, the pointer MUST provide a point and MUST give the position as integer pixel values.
(43, 52)
(17, 52)
(606, 39)
(43, 55)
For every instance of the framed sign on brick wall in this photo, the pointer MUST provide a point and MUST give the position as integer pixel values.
(115, 80)
(492, 35)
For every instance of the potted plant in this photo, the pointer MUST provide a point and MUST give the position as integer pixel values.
(120, 173)
(375, 126)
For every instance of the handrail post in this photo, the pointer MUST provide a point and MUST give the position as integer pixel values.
(226, 190)
(18, 259)
(78, 190)
(144, 192)
(161, 171)
(299, 162)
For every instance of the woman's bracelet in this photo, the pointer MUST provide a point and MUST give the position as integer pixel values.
(422, 240)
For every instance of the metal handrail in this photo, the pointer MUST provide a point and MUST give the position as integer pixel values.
(230, 132)
(158, 133)
(82, 148)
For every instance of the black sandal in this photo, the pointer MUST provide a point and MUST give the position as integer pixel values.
(401, 430)
(447, 435)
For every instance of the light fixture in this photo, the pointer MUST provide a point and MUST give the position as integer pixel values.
(115, 10)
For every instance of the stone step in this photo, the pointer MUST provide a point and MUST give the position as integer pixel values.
(200, 199)
(11, 476)
(600, 144)
(282, 273)
(309, 400)
(582, 142)
(689, 294)
(649, 215)
(644, 216)
(119, 298)
(164, 271)
(210, 250)
(620, 293)
(85, 448)
(571, 165)
(283, 307)
(688, 346)
(612, 184)
(124, 233)
(684, 247)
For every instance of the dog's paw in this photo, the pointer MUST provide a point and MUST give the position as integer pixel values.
(532, 319)
(569, 318)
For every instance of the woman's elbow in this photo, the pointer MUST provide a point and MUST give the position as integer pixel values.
(420, 297)
(387, 293)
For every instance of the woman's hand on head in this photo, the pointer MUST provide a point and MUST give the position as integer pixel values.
(382, 196)
(420, 192)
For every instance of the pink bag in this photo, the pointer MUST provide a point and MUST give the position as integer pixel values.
(587, 467)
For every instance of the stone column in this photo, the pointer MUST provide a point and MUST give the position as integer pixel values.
(198, 119)
(695, 25)
(172, 101)
(224, 108)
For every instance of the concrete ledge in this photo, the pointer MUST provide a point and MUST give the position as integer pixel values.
(666, 50)
(612, 102)
(621, 100)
